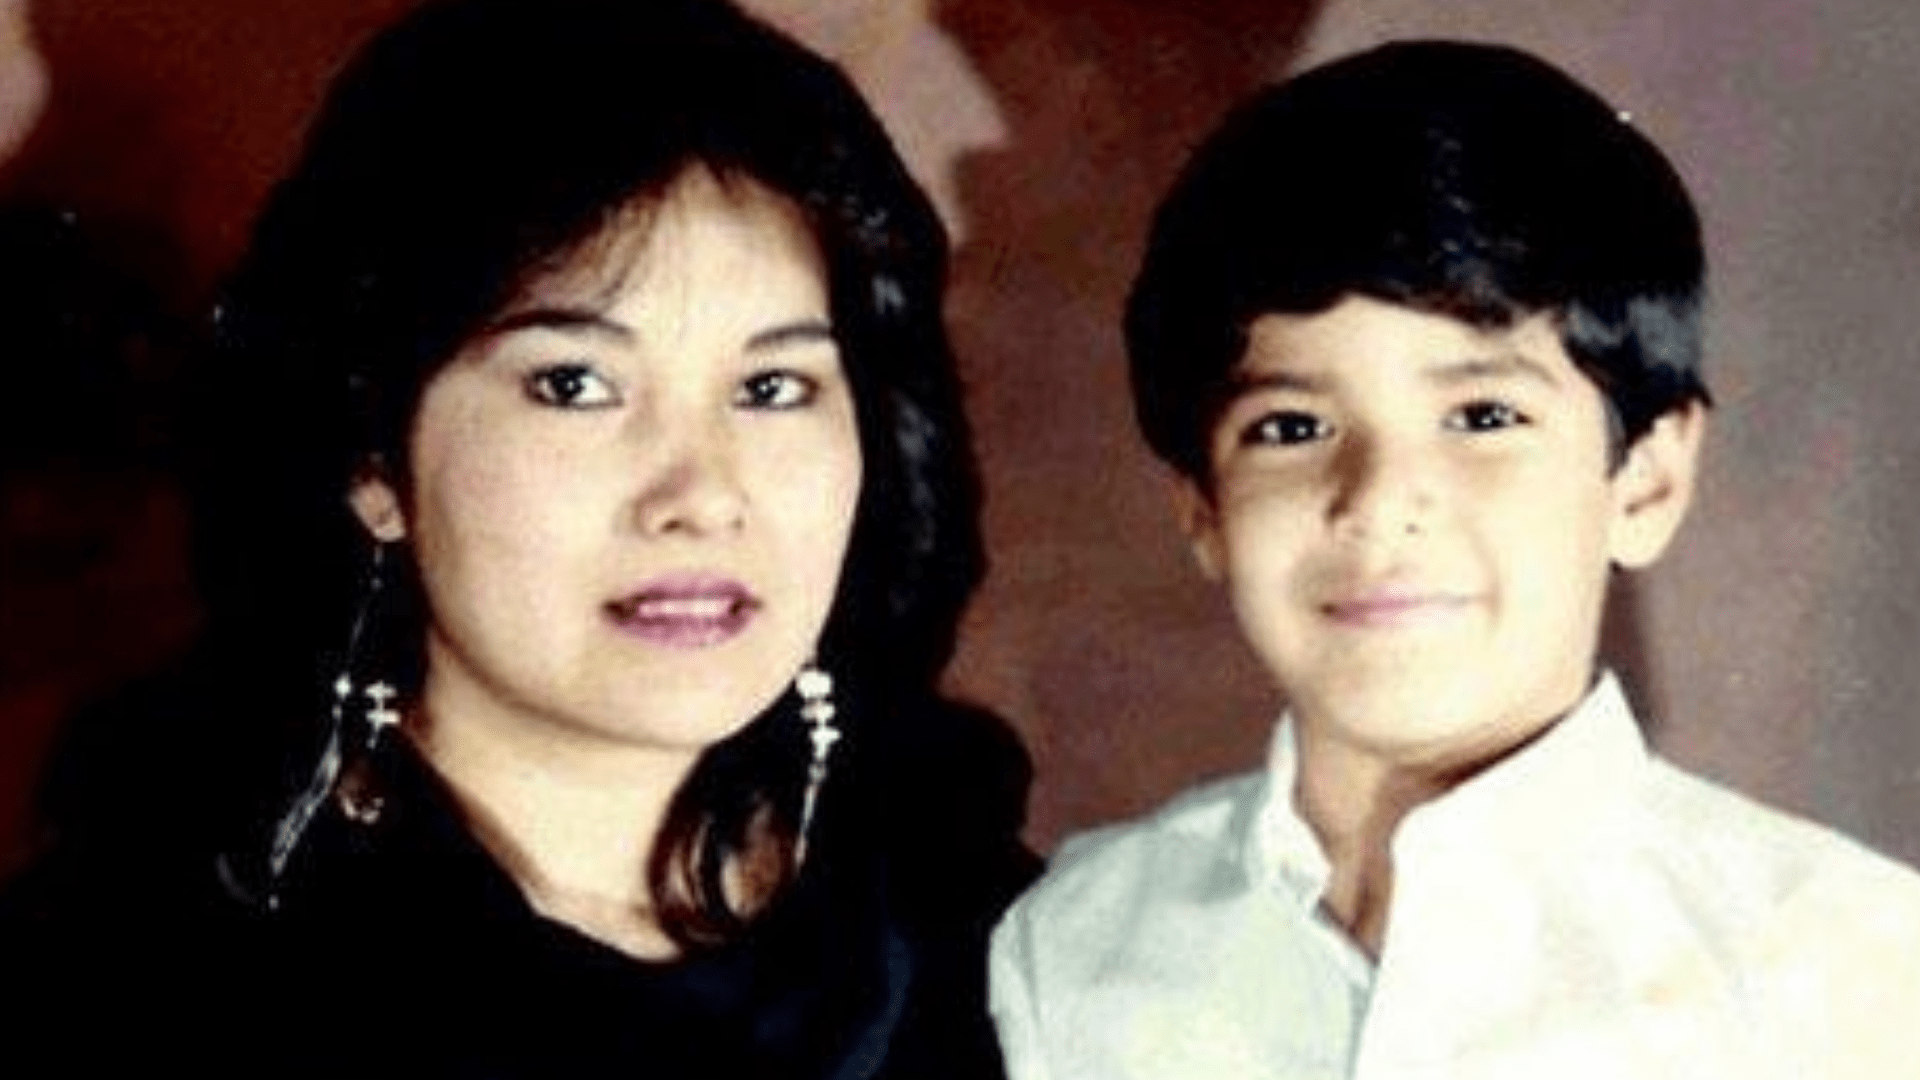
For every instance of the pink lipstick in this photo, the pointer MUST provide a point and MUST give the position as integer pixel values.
(686, 611)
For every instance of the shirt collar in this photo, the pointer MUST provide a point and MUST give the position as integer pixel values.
(1534, 801)
(1282, 849)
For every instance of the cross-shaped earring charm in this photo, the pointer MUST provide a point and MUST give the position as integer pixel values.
(380, 716)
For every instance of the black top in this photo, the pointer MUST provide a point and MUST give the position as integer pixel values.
(400, 947)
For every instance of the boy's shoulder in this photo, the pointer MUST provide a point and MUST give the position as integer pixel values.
(1821, 928)
(1802, 886)
(1191, 846)
(1742, 841)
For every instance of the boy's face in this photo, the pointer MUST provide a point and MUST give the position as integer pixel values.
(1415, 519)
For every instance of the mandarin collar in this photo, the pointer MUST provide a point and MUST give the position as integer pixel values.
(1539, 800)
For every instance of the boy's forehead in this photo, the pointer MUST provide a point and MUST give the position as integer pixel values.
(1287, 348)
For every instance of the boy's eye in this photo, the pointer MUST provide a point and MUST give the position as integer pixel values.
(571, 386)
(776, 390)
(1485, 416)
(1284, 429)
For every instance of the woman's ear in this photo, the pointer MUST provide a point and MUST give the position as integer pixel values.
(1200, 520)
(377, 504)
(1654, 486)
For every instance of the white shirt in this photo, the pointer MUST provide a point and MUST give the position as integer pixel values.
(1582, 909)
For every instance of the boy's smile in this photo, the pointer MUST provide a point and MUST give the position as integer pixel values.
(1415, 518)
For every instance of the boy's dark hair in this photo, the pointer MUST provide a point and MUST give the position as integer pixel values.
(1474, 181)
(467, 150)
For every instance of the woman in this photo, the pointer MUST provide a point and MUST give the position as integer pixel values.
(591, 463)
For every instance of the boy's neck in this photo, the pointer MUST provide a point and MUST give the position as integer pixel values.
(1355, 801)
(1354, 804)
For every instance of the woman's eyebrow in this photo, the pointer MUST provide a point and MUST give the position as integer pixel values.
(565, 320)
(588, 322)
(806, 331)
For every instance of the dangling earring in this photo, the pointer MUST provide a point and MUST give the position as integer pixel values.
(815, 688)
(370, 702)
(357, 791)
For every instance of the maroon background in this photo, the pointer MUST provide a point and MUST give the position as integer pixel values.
(1778, 645)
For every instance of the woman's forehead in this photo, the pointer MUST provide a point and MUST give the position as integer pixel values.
(600, 265)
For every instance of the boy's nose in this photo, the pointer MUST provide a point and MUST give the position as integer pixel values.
(1381, 489)
(694, 490)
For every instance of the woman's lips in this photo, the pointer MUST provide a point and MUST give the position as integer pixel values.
(686, 612)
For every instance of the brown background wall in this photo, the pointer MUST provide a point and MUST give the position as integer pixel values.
(1777, 645)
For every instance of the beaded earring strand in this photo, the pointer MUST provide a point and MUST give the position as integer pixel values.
(377, 715)
(815, 688)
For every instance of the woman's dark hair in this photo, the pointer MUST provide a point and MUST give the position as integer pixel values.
(476, 144)
(1474, 181)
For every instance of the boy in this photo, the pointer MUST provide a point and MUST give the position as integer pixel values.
(1419, 333)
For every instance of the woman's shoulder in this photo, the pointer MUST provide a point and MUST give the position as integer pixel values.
(950, 810)
(942, 806)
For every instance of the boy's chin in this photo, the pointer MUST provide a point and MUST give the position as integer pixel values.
(1422, 726)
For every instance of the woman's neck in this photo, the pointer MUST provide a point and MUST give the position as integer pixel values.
(572, 821)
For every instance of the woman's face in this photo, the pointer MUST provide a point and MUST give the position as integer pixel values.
(23, 76)
(632, 491)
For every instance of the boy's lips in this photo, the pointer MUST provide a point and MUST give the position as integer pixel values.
(1394, 606)
(686, 611)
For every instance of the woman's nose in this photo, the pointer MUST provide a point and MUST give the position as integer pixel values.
(695, 489)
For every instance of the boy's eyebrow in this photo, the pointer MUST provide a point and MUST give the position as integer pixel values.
(1507, 365)
(1251, 382)
(591, 323)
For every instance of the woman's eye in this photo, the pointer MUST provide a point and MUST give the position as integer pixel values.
(571, 386)
(1485, 416)
(1284, 429)
(776, 390)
